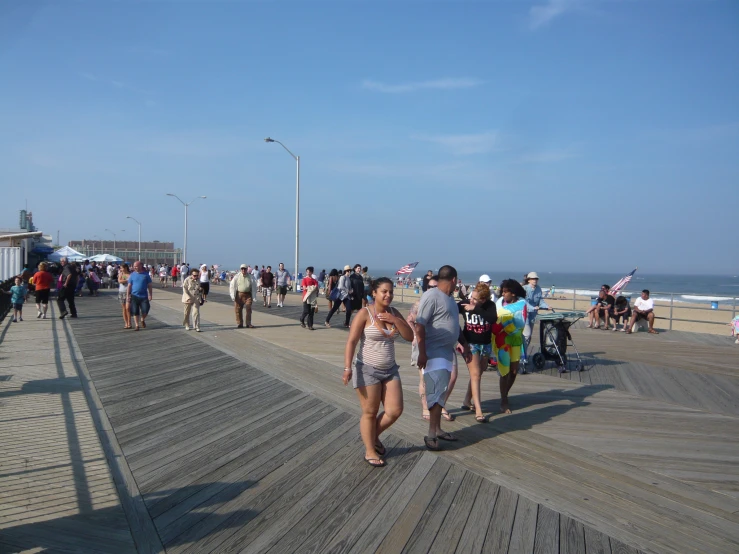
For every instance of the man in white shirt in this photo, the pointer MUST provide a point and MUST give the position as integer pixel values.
(643, 309)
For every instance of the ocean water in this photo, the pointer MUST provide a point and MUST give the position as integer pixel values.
(687, 288)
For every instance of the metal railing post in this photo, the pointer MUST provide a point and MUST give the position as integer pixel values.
(574, 299)
(672, 305)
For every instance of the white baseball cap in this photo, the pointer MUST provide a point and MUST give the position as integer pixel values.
(485, 278)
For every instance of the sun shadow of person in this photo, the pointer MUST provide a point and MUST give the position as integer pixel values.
(554, 403)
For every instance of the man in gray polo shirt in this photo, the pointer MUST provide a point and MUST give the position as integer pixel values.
(438, 332)
(283, 279)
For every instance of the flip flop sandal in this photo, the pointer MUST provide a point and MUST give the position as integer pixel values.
(446, 437)
(447, 416)
(466, 407)
(432, 443)
(375, 462)
(481, 419)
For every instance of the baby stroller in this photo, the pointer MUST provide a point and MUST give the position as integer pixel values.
(555, 337)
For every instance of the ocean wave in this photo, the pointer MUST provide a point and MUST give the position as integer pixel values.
(706, 298)
(681, 298)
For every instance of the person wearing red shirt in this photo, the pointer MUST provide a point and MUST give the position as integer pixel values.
(42, 281)
(310, 295)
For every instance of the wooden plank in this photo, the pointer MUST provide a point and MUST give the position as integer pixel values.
(314, 522)
(499, 531)
(596, 542)
(476, 528)
(427, 529)
(228, 525)
(228, 467)
(617, 547)
(376, 532)
(571, 536)
(524, 526)
(362, 513)
(351, 469)
(143, 531)
(547, 532)
(454, 523)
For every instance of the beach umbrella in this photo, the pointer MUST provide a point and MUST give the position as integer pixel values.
(105, 258)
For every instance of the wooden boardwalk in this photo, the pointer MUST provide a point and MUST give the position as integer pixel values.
(56, 490)
(245, 440)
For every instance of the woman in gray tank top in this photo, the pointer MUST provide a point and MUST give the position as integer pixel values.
(375, 376)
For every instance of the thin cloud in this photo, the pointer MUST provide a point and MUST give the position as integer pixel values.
(543, 14)
(464, 145)
(115, 83)
(437, 84)
(548, 156)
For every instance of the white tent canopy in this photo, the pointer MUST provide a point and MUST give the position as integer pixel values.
(105, 258)
(66, 252)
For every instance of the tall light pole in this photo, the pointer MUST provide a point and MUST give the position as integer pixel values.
(139, 224)
(114, 239)
(297, 203)
(184, 246)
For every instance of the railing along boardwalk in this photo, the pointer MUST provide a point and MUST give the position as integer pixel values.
(245, 440)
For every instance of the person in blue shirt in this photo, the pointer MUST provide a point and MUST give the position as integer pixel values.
(139, 293)
(17, 298)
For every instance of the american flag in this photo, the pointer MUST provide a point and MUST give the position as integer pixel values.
(618, 287)
(407, 269)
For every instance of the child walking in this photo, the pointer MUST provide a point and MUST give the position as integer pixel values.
(18, 297)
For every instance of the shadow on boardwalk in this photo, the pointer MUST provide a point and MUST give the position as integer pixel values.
(524, 418)
(63, 533)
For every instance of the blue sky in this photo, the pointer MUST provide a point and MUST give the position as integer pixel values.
(566, 134)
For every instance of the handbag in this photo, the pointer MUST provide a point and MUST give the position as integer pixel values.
(335, 294)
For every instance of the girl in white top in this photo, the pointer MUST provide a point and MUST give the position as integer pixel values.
(376, 380)
(204, 283)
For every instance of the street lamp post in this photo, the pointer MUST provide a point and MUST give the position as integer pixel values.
(184, 246)
(114, 239)
(139, 224)
(297, 203)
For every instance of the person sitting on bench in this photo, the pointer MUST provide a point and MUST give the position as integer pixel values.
(602, 307)
(643, 309)
(622, 311)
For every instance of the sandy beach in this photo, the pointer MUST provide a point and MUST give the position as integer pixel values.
(710, 321)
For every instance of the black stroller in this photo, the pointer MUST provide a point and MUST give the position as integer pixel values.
(555, 337)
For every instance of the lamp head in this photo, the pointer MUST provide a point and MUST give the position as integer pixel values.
(170, 194)
(269, 140)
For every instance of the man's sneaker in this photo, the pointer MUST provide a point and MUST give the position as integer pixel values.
(187, 328)
(73, 316)
(21, 319)
(63, 315)
(43, 316)
(15, 320)
(39, 314)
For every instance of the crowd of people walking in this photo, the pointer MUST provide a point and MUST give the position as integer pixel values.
(489, 330)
